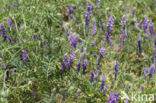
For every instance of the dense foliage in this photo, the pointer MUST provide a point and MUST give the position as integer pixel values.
(77, 51)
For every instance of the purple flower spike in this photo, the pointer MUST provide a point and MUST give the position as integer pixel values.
(64, 64)
(73, 40)
(145, 72)
(111, 98)
(151, 71)
(103, 83)
(116, 69)
(92, 76)
(132, 10)
(123, 23)
(89, 11)
(5, 66)
(3, 31)
(109, 28)
(74, 7)
(7, 73)
(79, 66)
(146, 24)
(139, 46)
(116, 96)
(98, 3)
(72, 17)
(10, 23)
(93, 43)
(33, 93)
(68, 32)
(15, 5)
(9, 38)
(155, 44)
(85, 62)
(69, 9)
(72, 56)
(140, 24)
(101, 53)
(142, 88)
(94, 28)
(24, 56)
(151, 30)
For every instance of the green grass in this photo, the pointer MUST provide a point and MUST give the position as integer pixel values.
(42, 71)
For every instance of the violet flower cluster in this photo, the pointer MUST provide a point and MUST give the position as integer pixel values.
(73, 40)
(94, 28)
(24, 56)
(102, 83)
(72, 56)
(88, 13)
(113, 98)
(101, 54)
(3, 32)
(64, 64)
(116, 69)
(139, 46)
(92, 76)
(109, 28)
(85, 63)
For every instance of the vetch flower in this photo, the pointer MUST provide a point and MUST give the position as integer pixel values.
(145, 72)
(68, 32)
(73, 40)
(139, 46)
(109, 28)
(101, 53)
(88, 13)
(3, 31)
(146, 24)
(5, 66)
(79, 66)
(102, 83)
(24, 56)
(69, 9)
(93, 43)
(123, 23)
(116, 69)
(15, 5)
(142, 88)
(64, 64)
(85, 62)
(10, 23)
(132, 11)
(151, 30)
(98, 3)
(7, 73)
(72, 56)
(116, 96)
(92, 76)
(94, 28)
(9, 38)
(152, 71)
(122, 39)
(111, 98)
